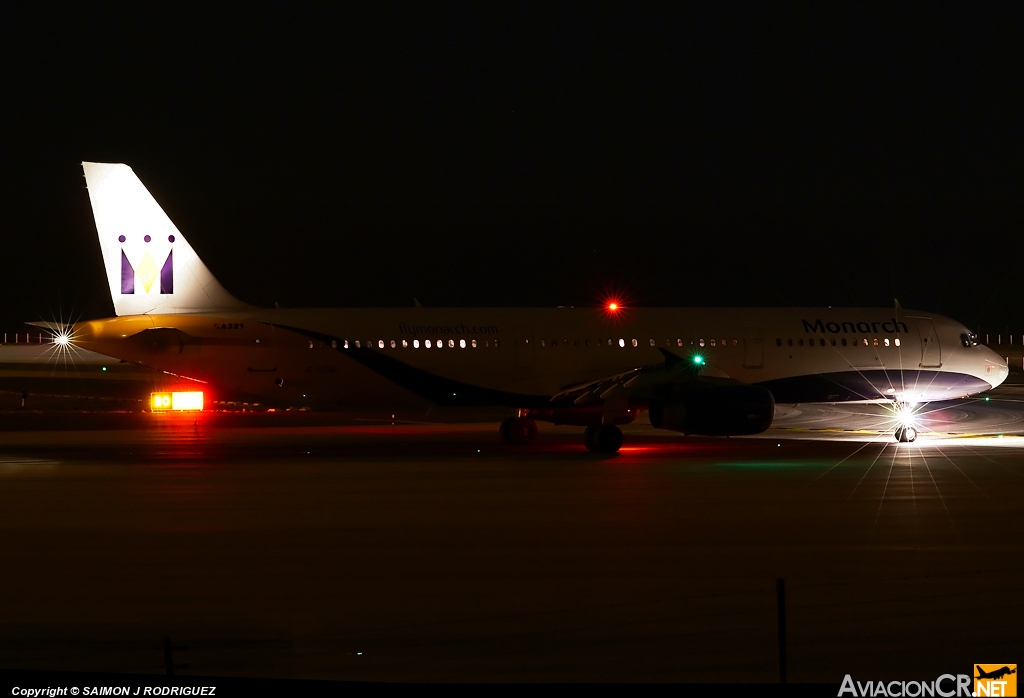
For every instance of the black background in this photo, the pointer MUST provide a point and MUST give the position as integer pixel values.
(478, 154)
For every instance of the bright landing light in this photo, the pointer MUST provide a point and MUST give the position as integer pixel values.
(63, 339)
(906, 417)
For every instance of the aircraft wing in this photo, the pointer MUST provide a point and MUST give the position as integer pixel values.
(642, 383)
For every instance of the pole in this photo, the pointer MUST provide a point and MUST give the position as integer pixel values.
(168, 656)
(780, 594)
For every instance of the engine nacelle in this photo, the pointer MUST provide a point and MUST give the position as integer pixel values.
(715, 410)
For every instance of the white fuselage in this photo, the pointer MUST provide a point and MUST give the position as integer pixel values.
(389, 358)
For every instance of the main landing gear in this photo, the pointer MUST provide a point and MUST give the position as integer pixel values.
(603, 438)
(518, 430)
(600, 438)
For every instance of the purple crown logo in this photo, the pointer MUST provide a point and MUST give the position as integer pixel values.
(146, 272)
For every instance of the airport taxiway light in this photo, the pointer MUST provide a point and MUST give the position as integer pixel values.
(179, 402)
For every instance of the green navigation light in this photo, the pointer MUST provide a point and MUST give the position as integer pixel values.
(698, 359)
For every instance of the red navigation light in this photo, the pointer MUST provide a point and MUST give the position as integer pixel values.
(613, 306)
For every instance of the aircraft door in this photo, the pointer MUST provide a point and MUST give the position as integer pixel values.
(753, 351)
(931, 351)
(524, 349)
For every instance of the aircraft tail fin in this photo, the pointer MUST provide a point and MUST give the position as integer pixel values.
(151, 268)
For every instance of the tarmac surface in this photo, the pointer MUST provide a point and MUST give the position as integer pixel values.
(379, 551)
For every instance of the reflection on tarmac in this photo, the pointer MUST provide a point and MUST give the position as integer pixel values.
(1000, 413)
(434, 552)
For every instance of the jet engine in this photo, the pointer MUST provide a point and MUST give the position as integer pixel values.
(715, 410)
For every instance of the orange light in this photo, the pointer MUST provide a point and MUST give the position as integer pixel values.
(162, 402)
(613, 306)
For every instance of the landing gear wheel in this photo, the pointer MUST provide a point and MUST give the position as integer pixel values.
(518, 430)
(606, 438)
(906, 434)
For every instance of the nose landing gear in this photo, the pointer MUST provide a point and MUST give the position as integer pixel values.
(906, 434)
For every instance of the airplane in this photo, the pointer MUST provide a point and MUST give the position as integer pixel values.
(699, 371)
(994, 674)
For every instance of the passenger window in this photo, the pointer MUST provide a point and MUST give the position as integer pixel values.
(451, 343)
(865, 341)
(833, 340)
(896, 341)
(462, 344)
(426, 344)
(497, 343)
(405, 343)
(487, 343)
(588, 342)
(543, 343)
(789, 342)
(345, 344)
(800, 342)
(394, 344)
(415, 344)
(843, 341)
(712, 342)
(472, 343)
(701, 342)
(886, 340)
(357, 344)
(634, 342)
(679, 342)
(778, 342)
(622, 342)
(652, 342)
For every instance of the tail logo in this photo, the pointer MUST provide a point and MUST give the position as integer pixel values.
(142, 276)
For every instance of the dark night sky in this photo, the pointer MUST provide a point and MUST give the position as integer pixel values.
(364, 154)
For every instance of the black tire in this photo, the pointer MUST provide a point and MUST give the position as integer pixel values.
(899, 434)
(609, 438)
(503, 430)
(605, 438)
